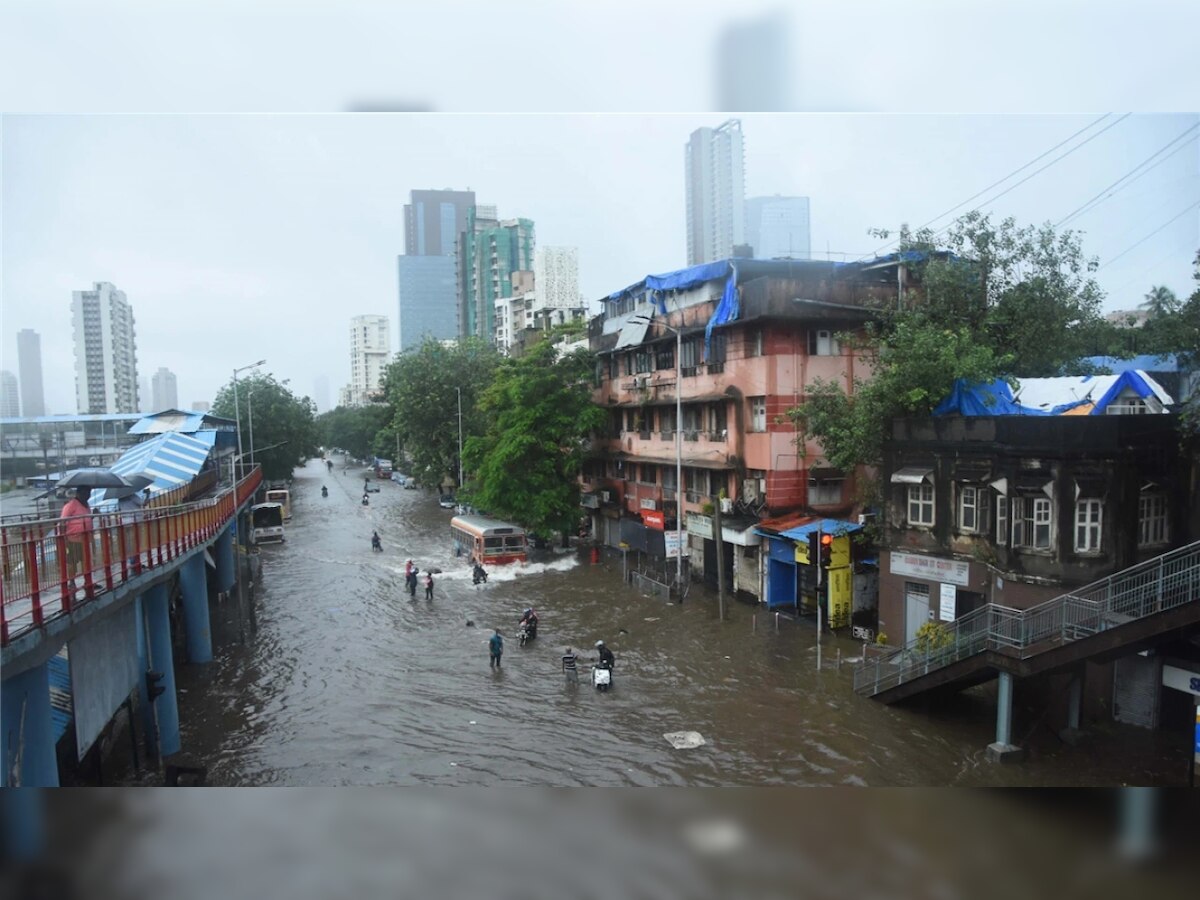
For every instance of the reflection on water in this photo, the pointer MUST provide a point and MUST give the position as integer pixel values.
(349, 681)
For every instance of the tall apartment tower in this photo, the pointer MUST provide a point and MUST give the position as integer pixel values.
(165, 390)
(778, 227)
(106, 379)
(10, 398)
(715, 183)
(433, 221)
(490, 251)
(556, 276)
(29, 366)
(370, 350)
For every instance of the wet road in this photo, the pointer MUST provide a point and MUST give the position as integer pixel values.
(349, 682)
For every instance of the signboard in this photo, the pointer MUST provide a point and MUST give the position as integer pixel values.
(949, 597)
(674, 540)
(802, 555)
(839, 552)
(654, 519)
(649, 503)
(700, 525)
(1181, 679)
(840, 595)
(931, 568)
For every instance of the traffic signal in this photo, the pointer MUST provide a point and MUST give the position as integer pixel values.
(826, 550)
(153, 688)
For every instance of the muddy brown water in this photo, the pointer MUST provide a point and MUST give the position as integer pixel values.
(349, 682)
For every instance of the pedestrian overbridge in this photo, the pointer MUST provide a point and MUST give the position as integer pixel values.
(1111, 618)
(111, 611)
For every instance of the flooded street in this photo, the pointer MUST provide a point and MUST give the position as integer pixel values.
(349, 682)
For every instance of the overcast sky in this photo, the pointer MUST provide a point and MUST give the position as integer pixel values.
(242, 237)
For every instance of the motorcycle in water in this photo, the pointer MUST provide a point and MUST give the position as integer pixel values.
(479, 574)
(526, 632)
(601, 677)
(324, 491)
(366, 501)
(376, 544)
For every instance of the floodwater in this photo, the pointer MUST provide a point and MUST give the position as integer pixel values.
(350, 682)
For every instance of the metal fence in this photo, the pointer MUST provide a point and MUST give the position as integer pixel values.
(1157, 585)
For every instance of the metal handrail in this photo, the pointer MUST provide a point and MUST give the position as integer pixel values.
(46, 574)
(1153, 586)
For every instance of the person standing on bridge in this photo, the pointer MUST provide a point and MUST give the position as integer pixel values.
(496, 646)
(77, 526)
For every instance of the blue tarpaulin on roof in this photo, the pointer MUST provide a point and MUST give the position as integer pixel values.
(825, 526)
(995, 399)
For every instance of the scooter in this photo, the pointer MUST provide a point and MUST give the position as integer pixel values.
(324, 491)
(525, 633)
(601, 678)
(376, 545)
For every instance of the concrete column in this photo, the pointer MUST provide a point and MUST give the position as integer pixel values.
(143, 652)
(158, 628)
(24, 819)
(28, 730)
(1003, 750)
(193, 581)
(223, 554)
(1075, 701)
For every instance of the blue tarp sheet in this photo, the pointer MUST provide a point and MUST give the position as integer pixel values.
(825, 526)
(995, 399)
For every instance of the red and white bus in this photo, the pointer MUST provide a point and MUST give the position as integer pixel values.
(488, 541)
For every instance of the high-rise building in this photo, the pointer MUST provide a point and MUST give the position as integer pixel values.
(427, 299)
(433, 220)
(10, 398)
(370, 350)
(321, 393)
(106, 379)
(714, 180)
(29, 365)
(144, 395)
(556, 276)
(490, 251)
(778, 227)
(164, 390)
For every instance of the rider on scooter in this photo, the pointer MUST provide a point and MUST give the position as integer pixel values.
(530, 621)
(607, 660)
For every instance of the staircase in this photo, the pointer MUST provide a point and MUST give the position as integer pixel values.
(1107, 619)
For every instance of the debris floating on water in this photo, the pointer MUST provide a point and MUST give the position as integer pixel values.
(684, 740)
(651, 619)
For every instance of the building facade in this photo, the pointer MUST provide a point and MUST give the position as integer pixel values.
(778, 227)
(106, 377)
(428, 300)
(433, 220)
(370, 352)
(29, 367)
(715, 188)
(556, 277)
(164, 389)
(10, 396)
(490, 251)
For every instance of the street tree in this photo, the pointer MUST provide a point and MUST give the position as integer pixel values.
(284, 426)
(525, 465)
(1160, 302)
(353, 428)
(422, 388)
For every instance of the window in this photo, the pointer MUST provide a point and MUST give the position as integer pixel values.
(1087, 525)
(758, 413)
(1152, 519)
(972, 509)
(664, 356)
(1002, 521)
(754, 342)
(641, 360)
(1031, 522)
(821, 342)
(687, 357)
(825, 490)
(920, 504)
(715, 360)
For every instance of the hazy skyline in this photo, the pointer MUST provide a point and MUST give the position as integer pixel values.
(242, 237)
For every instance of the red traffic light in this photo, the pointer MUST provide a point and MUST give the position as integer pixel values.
(826, 540)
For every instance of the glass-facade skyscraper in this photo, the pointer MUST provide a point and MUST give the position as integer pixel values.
(778, 227)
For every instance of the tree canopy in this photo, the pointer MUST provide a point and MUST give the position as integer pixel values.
(539, 413)
(281, 424)
(355, 429)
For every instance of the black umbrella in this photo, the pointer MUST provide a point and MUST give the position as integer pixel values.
(92, 478)
(136, 483)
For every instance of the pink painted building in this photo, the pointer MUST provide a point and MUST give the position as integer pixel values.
(753, 336)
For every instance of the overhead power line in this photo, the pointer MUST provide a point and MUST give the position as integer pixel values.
(1150, 235)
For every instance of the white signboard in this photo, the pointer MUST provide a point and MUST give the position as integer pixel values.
(931, 568)
(673, 541)
(1181, 679)
(649, 504)
(701, 525)
(948, 597)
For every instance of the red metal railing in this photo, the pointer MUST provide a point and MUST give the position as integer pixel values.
(45, 575)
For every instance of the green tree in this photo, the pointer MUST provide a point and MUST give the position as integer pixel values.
(1160, 302)
(354, 428)
(525, 466)
(422, 387)
(284, 425)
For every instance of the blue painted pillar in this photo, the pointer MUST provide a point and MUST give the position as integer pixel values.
(24, 825)
(223, 552)
(28, 728)
(158, 628)
(193, 580)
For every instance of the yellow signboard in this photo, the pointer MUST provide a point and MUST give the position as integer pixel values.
(802, 553)
(839, 552)
(841, 593)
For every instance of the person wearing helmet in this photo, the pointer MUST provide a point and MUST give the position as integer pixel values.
(530, 620)
(607, 660)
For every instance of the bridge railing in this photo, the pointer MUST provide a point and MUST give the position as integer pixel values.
(48, 574)
(1156, 585)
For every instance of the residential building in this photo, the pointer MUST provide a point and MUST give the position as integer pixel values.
(321, 393)
(370, 352)
(556, 277)
(106, 378)
(433, 220)
(144, 394)
(10, 396)
(490, 251)
(29, 367)
(164, 390)
(752, 338)
(428, 301)
(778, 227)
(714, 183)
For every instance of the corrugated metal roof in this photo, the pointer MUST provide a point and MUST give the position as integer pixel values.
(61, 708)
(179, 420)
(68, 418)
(825, 526)
(172, 459)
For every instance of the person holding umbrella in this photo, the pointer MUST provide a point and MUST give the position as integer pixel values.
(77, 526)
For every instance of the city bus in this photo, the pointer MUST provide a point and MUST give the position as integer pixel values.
(488, 541)
(283, 498)
(266, 523)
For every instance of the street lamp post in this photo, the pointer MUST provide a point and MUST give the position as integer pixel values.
(250, 416)
(460, 460)
(237, 414)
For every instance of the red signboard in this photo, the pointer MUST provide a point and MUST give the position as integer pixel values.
(654, 519)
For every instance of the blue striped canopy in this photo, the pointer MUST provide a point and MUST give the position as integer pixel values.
(171, 459)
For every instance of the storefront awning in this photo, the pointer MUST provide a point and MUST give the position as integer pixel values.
(825, 526)
(911, 475)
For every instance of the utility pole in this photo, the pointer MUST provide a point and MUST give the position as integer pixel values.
(720, 545)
